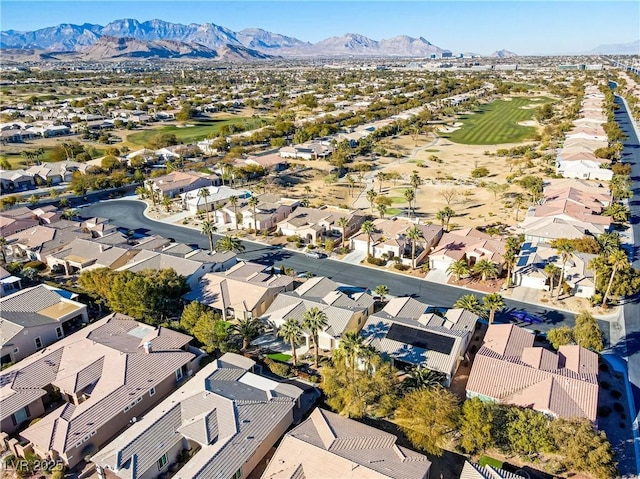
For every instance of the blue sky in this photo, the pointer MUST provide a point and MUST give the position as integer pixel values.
(525, 27)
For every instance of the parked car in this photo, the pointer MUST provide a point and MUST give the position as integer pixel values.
(314, 255)
(526, 317)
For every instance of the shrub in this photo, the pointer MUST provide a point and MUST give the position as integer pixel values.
(401, 267)
(376, 261)
(280, 369)
(479, 172)
(39, 265)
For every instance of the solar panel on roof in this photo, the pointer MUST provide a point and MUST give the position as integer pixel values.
(522, 261)
(420, 338)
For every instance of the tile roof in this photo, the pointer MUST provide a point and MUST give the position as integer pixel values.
(328, 445)
(509, 369)
(475, 471)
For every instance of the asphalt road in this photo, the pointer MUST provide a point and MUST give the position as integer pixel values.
(129, 215)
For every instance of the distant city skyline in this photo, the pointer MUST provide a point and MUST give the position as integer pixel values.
(525, 27)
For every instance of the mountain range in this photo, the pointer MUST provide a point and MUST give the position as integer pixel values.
(128, 38)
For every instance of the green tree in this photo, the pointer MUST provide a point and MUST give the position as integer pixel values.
(291, 331)
(428, 417)
(208, 229)
(248, 329)
(351, 345)
(619, 261)
(445, 215)
(487, 269)
(512, 250)
(410, 196)
(368, 228)
(212, 331)
(371, 196)
(553, 274)
(565, 249)
(230, 243)
(382, 204)
(342, 223)
(414, 234)
(459, 269)
(415, 181)
(480, 172)
(421, 378)
(618, 212)
(476, 426)
(314, 321)
(233, 201)
(528, 431)
(470, 302)
(381, 290)
(204, 194)
(3, 246)
(560, 336)
(253, 202)
(167, 202)
(190, 315)
(493, 302)
(587, 333)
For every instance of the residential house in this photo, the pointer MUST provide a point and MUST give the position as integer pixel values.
(14, 221)
(218, 195)
(269, 161)
(312, 224)
(468, 244)
(312, 150)
(34, 318)
(38, 242)
(475, 471)
(178, 182)
(344, 312)
(83, 254)
(244, 291)
(47, 214)
(99, 380)
(9, 283)
(390, 238)
(270, 210)
(221, 261)
(584, 169)
(98, 227)
(508, 369)
(530, 273)
(327, 445)
(227, 418)
(408, 336)
(16, 180)
(55, 173)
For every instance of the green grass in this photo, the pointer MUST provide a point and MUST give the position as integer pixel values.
(199, 131)
(497, 122)
(489, 461)
(279, 357)
(392, 212)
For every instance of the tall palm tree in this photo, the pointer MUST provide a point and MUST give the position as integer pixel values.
(414, 234)
(609, 242)
(248, 329)
(518, 202)
(166, 202)
(368, 228)
(253, 202)
(459, 269)
(486, 269)
(599, 263)
(314, 321)
(351, 183)
(343, 222)
(492, 303)
(512, 250)
(350, 346)
(382, 290)
(3, 245)
(415, 180)
(470, 302)
(233, 201)
(152, 193)
(618, 212)
(445, 215)
(619, 261)
(409, 195)
(204, 193)
(553, 272)
(565, 249)
(291, 331)
(371, 196)
(380, 176)
(230, 243)
(208, 228)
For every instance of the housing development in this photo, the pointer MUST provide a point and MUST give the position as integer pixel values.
(300, 261)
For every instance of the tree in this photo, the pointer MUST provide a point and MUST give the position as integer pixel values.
(314, 321)
(449, 195)
(428, 417)
(618, 212)
(480, 172)
(560, 336)
(415, 181)
(381, 290)
(253, 202)
(34, 199)
(380, 176)
(208, 229)
(414, 234)
(191, 314)
(565, 249)
(553, 273)
(204, 194)
(492, 303)
(471, 303)
(3, 245)
(497, 188)
(382, 204)
(212, 331)
(248, 329)
(582, 448)
(233, 201)
(368, 228)
(534, 185)
(422, 378)
(409, 195)
(230, 243)
(512, 250)
(152, 193)
(528, 431)
(619, 261)
(476, 426)
(518, 202)
(291, 331)
(459, 269)
(351, 183)
(445, 215)
(371, 196)
(609, 242)
(587, 333)
(487, 269)
(166, 202)
(351, 345)
(342, 223)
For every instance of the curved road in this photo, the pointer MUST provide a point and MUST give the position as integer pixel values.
(129, 214)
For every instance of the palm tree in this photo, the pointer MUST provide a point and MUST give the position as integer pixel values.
(307, 192)
(70, 213)
(233, 201)
(291, 331)
(152, 193)
(248, 329)
(351, 183)
(343, 222)
(609, 242)
(381, 176)
(599, 263)
(314, 321)
(470, 302)
(492, 303)
(204, 193)
(208, 228)
(518, 202)
(512, 250)
(619, 261)
(368, 228)
(409, 195)
(414, 234)
(382, 290)
(486, 269)
(565, 249)
(371, 196)
(415, 181)
(141, 191)
(3, 245)
(166, 202)
(63, 203)
(382, 208)
(553, 272)
(618, 212)
(423, 378)
(459, 269)
(253, 202)
(230, 243)
(351, 344)
(445, 215)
